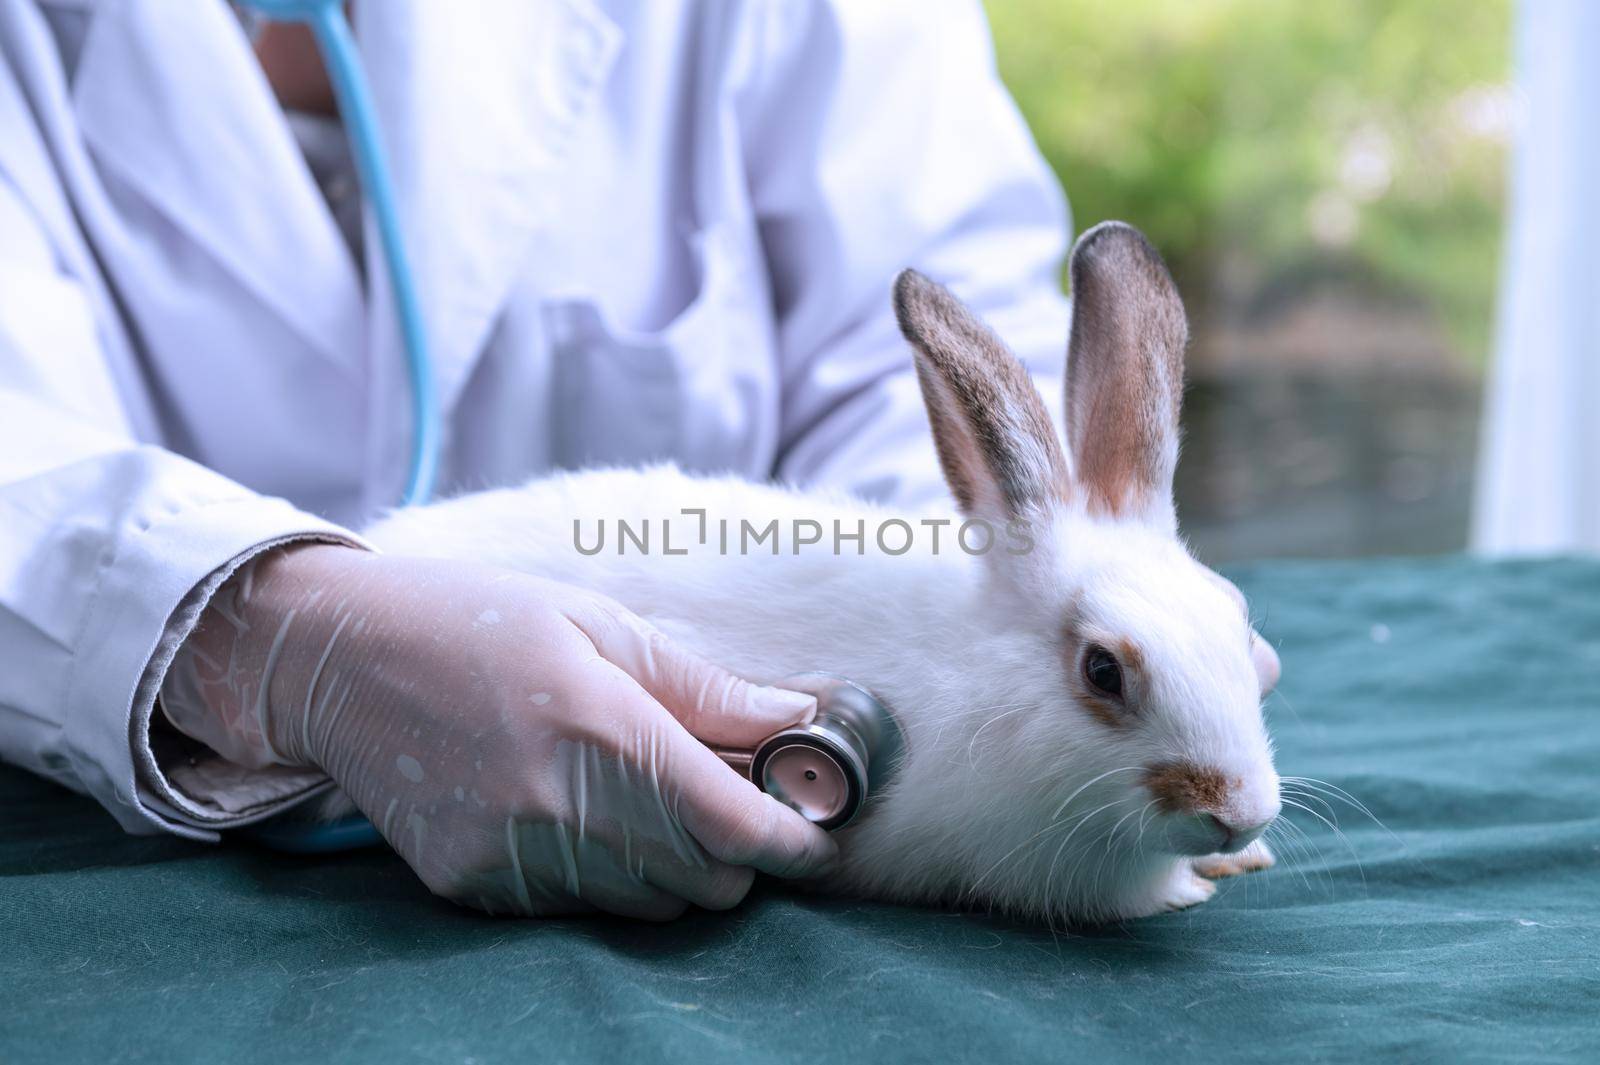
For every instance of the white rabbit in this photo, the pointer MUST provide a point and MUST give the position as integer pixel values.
(1082, 718)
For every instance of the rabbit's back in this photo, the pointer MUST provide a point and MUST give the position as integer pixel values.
(712, 561)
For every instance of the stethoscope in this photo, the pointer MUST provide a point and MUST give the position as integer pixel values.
(826, 770)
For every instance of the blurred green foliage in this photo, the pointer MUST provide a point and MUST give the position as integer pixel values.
(1262, 143)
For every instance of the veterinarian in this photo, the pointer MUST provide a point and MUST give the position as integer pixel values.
(664, 233)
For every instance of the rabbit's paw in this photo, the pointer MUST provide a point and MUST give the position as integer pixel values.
(1186, 889)
(1256, 856)
(1178, 889)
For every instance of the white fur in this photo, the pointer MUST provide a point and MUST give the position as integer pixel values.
(996, 803)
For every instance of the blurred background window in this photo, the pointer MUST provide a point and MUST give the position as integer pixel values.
(1327, 183)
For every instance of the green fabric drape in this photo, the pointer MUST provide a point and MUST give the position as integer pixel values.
(1459, 700)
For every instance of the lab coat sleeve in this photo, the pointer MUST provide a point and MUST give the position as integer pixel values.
(879, 137)
(108, 548)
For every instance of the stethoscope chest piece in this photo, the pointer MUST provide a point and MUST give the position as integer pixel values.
(828, 768)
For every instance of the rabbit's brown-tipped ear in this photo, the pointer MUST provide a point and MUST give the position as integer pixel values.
(999, 451)
(1124, 374)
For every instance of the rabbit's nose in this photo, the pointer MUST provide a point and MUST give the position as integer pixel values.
(1234, 834)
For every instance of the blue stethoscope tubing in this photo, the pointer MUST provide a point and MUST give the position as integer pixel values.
(342, 60)
(350, 88)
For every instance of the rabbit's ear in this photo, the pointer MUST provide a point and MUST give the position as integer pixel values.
(1000, 454)
(1124, 374)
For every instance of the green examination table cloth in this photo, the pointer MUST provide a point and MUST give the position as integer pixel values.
(1459, 700)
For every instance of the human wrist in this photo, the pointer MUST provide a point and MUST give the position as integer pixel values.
(293, 608)
(220, 687)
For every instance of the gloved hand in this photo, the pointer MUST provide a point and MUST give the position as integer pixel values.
(527, 747)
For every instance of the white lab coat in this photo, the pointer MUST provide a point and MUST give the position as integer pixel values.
(642, 231)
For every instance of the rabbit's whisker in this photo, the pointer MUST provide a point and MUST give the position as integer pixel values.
(1334, 828)
(1109, 841)
(971, 755)
(1053, 825)
(1278, 836)
(1110, 772)
(1055, 861)
(1314, 853)
(1302, 784)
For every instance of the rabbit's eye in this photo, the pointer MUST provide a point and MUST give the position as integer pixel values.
(1101, 670)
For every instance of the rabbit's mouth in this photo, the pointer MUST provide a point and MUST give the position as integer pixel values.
(1196, 834)
(1206, 811)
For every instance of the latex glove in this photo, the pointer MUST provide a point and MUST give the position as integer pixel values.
(526, 746)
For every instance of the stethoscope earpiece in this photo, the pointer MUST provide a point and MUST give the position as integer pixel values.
(826, 769)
